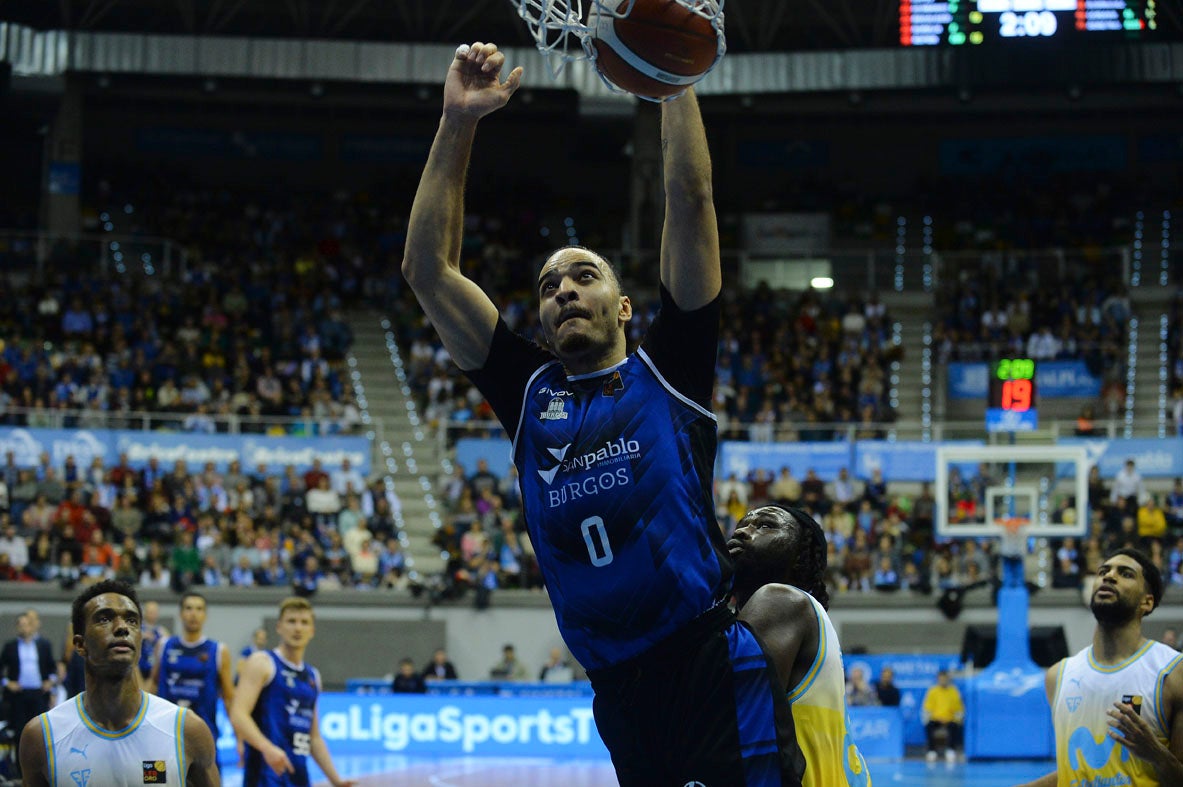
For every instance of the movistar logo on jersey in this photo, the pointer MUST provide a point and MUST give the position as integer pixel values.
(1084, 750)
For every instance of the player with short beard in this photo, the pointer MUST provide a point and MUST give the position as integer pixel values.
(780, 567)
(615, 454)
(1117, 706)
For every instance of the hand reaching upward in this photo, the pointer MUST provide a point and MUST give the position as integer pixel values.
(474, 87)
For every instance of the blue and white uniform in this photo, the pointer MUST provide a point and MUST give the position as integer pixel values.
(616, 473)
(285, 712)
(189, 676)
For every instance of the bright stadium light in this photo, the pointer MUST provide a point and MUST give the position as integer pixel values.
(821, 282)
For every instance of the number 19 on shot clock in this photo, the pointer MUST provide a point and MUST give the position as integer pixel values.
(1011, 406)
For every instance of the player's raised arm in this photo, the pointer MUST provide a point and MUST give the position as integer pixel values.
(690, 267)
(460, 311)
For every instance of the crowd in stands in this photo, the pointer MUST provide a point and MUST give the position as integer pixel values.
(248, 333)
(882, 539)
(1004, 308)
(176, 527)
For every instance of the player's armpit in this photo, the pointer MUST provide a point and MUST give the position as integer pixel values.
(784, 619)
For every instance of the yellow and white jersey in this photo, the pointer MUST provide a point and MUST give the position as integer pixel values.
(150, 750)
(819, 714)
(1085, 754)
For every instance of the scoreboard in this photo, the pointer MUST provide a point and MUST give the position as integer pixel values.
(973, 22)
(1011, 404)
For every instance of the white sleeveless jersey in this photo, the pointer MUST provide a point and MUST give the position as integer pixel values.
(150, 750)
(1085, 754)
(819, 714)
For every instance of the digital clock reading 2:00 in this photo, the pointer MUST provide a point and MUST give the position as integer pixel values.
(1012, 385)
(972, 22)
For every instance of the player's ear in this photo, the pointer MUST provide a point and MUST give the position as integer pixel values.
(626, 309)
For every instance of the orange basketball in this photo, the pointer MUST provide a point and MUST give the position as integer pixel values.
(659, 49)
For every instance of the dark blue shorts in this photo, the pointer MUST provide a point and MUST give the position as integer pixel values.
(704, 707)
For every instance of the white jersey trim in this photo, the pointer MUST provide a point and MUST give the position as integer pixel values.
(672, 390)
(517, 433)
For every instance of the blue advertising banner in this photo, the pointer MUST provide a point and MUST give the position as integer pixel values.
(276, 453)
(878, 732)
(480, 726)
(742, 458)
(65, 177)
(999, 420)
(999, 702)
(968, 380)
(514, 725)
(913, 676)
(1053, 380)
(1153, 457)
(1042, 155)
(497, 452)
(903, 460)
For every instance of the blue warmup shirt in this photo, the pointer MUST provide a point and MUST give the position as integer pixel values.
(616, 473)
(284, 712)
(189, 677)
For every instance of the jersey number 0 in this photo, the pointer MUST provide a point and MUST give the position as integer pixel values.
(593, 531)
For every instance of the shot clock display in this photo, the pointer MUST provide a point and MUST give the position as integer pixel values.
(973, 22)
(1011, 406)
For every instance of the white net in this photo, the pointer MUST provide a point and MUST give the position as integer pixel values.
(1012, 536)
(563, 33)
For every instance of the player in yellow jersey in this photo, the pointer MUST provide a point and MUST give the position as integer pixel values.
(1117, 706)
(780, 564)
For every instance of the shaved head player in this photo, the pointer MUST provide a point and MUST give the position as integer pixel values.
(615, 453)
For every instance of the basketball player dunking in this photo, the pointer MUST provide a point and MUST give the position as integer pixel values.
(1117, 706)
(114, 734)
(615, 454)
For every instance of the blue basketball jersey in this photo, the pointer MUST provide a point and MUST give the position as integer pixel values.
(189, 677)
(616, 472)
(152, 636)
(285, 712)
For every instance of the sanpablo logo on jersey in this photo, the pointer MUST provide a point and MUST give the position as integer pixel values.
(612, 452)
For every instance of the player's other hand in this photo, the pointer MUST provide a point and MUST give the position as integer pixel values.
(474, 88)
(345, 783)
(277, 760)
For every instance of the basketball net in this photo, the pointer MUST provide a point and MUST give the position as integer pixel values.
(1013, 536)
(561, 33)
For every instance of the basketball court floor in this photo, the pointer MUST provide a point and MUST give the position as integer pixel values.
(404, 771)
